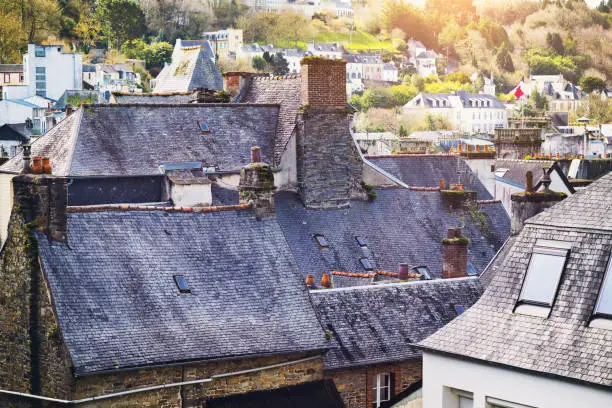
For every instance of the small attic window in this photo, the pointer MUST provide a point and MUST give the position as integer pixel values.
(459, 309)
(361, 241)
(321, 240)
(367, 265)
(203, 126)
(182, 284)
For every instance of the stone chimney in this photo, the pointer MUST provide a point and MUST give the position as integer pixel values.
(329, 167)
(529, 203)
(454, 254)
(235, 82)
(42, 200)
(256, 185)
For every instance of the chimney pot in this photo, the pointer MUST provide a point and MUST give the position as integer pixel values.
(255, 154)
(441, 184)
(69, 110)
(326, 281)
(529, 182)
(403, 273)
(27, 150)
(46, 165)
(310, 281)
(37, 165)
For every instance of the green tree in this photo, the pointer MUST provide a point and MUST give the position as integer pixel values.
(592, 83)
(538, 100)
(259, 63)
(555, 42)
(504, 59)
(121, 20)
(418, 82)
(12, 39)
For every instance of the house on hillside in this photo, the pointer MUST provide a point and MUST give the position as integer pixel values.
(10, 74)
(562, 95)
(329, 51)
(225, 43)
(193, 67)
(541, 334)
(469, 113)
(49, 71)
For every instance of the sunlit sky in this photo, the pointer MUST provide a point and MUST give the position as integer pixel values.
(421, 3)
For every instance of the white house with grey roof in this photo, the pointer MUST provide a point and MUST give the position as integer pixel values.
(541, 335)
(467, 112)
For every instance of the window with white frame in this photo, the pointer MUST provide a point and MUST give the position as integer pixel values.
(603, 306)
(382, 389)
(543, 274)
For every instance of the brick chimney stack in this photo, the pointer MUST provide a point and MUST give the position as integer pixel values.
(329, 167)
(256, 185)
(454, 254)
(42, 199)
(530, 202)
(323, 82)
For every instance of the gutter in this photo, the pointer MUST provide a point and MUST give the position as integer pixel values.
(156, 387)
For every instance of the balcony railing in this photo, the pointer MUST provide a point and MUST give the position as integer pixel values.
(522, 135)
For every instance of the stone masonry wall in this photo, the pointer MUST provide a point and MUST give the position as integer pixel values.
(356, 385)
(324, 152)
(196, 395)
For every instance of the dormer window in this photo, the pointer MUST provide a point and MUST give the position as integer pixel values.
(603, 307)
(361, 241)
(543, 276)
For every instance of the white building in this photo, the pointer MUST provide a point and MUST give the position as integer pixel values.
(23, 110)
(225, 42)
(541, 334)
(562, 95)
(390, 73)
(469, 113)
(424, 60)
(329, 51)
(49, 71)
(339, 8)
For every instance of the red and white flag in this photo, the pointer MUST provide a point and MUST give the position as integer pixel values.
(518, 92)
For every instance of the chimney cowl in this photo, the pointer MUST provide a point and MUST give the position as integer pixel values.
(27, 151)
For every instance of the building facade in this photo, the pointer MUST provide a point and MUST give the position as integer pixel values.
(49, 71)
(225, 42)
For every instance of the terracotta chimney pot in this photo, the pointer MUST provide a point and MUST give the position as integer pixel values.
(310, 281)
(326, 281)
(255, 154)
(529, 182)
(403, 273)
(442, 184)
(46, 165)
(37, 165)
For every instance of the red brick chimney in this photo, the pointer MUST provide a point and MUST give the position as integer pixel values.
(454, 254)
(323, 83)
(234, 82)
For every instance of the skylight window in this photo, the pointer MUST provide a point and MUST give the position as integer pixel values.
(543, 276)
(203, 126)
(361, 241)
(321, 241)
(365, 262)
(604, 302)
(459, 309)
(182, 284)
(423, 270)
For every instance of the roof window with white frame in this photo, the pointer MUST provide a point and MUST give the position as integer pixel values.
(542, 279)
(602, 315)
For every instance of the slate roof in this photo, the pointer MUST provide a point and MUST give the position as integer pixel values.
(134, 140)
(11, 68)
(399, 226)
(191, 68)
(376, 324)
(152, 98)
(320, 394)
(563, 345)
(518, 168)
(428, 170)
(118, 305)
(9, 132)
(284, 91)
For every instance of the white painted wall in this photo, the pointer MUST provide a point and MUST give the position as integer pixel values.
(64, 71)
(503, 190)
(6, 204)
(509, 385)
(12, 112)
(482, 169)
(191, 195)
